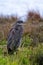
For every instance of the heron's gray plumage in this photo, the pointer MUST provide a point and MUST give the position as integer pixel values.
(14, 36)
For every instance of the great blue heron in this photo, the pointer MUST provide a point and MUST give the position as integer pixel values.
(14, 37)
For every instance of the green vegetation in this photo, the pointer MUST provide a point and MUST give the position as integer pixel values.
(26, 54)
(3, 42)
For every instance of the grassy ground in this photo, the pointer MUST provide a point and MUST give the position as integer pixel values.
(19, 58)
(24, 56)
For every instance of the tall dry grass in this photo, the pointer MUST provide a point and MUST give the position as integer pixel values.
(5, 25)
(33, 18)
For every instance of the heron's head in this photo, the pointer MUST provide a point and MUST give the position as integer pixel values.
(20, 21)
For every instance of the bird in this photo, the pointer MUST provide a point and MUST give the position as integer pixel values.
(14, 37)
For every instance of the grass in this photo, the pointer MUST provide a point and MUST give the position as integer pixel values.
(3, 42)
(21, 58)
(24, 56)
